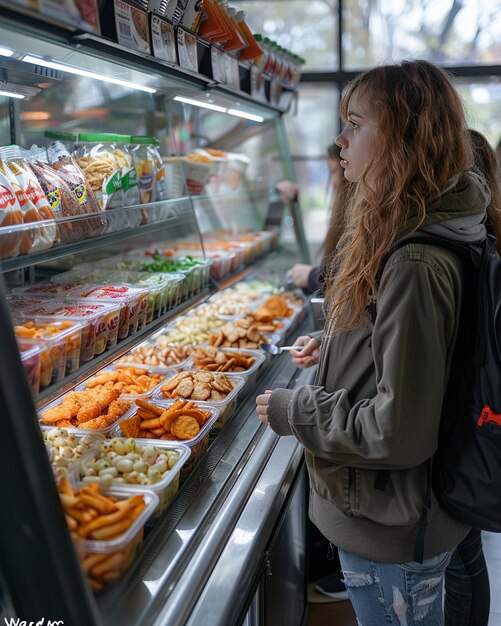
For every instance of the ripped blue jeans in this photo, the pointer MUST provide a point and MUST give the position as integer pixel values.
(396, 594)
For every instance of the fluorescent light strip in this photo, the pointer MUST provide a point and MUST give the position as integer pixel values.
(5, 52)
(245, 115)
(11, 94)
(28, 58)
(198, 103)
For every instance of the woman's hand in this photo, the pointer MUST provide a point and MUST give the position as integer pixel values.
(262, 406)
(299, 274)
(309, 355)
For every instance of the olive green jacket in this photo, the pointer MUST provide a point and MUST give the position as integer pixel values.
(378, 393)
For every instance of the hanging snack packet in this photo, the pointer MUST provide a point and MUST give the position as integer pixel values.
(58, 194)
(96, 157)
(10, 215)
(66, 166)
(129, 181)
(33, 203)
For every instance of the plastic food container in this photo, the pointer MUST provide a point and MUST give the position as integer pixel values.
(63, 341)
(162, 292)
(67, 450)
(106, 432)
(133, 302)
(221, 264)
(166, 488)
(127, 544)
(99, 322)
(249, 375)
(30, 356)
(18, 303)
(164, 374)
(154, 348)
(225, 407)
(197, 446)
(180, 284)
(47, 290)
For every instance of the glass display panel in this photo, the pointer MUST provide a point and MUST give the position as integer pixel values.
(447, 33)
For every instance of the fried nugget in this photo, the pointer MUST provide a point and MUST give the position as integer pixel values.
(56, 414)
(89, 411)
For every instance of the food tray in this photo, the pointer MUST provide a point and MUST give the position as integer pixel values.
(84, 431)
(165, 489)
(225, 407)
(63, 350)
(99, 322)
(166, 373)
(129, 542)
(61, 469)
(152, 368)
(133, 302)
(198, 445)
(249, 375)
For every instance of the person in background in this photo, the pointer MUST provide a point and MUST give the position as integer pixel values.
(370, 423)
(309, 277)
(467, 594)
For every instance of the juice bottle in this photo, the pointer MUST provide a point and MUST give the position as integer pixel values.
(253, 49)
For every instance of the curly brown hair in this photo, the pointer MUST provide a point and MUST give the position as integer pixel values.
(421, 142)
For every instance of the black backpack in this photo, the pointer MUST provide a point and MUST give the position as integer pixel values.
(465, 472)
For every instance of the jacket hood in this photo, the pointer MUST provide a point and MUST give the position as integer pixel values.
(459, 212)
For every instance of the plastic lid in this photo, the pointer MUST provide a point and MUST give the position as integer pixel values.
(98, 137)
(123, 138)
(142, 139)
(51, 134)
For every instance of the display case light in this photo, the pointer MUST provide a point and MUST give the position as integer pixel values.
(245, 115)
(6, 52)
(200, 103)
(11, 94)
(70, 69)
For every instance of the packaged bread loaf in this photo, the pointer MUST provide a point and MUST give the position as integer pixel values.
(34, 205)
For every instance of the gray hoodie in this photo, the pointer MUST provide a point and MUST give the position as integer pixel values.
(378, 394)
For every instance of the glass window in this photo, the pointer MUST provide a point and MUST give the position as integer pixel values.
(482, 100)
(310, 132)
(306, 27)
(447, 32)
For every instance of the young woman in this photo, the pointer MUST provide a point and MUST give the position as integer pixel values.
(370, 423)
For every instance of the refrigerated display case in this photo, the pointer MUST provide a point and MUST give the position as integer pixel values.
(229, 549)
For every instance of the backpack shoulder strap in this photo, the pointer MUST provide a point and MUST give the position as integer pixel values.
(471, 253)
(466, 251)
